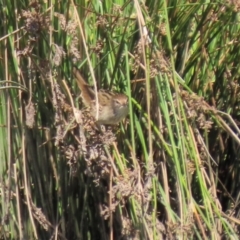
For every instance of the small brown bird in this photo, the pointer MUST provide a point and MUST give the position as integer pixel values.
(113, 107)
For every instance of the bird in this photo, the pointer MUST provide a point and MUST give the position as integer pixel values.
(112, 107)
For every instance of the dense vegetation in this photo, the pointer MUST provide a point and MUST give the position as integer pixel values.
(169, 170)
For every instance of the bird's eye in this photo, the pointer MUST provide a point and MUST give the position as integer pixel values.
(117, 102)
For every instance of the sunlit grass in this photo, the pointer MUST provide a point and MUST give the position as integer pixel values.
(169, 170)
